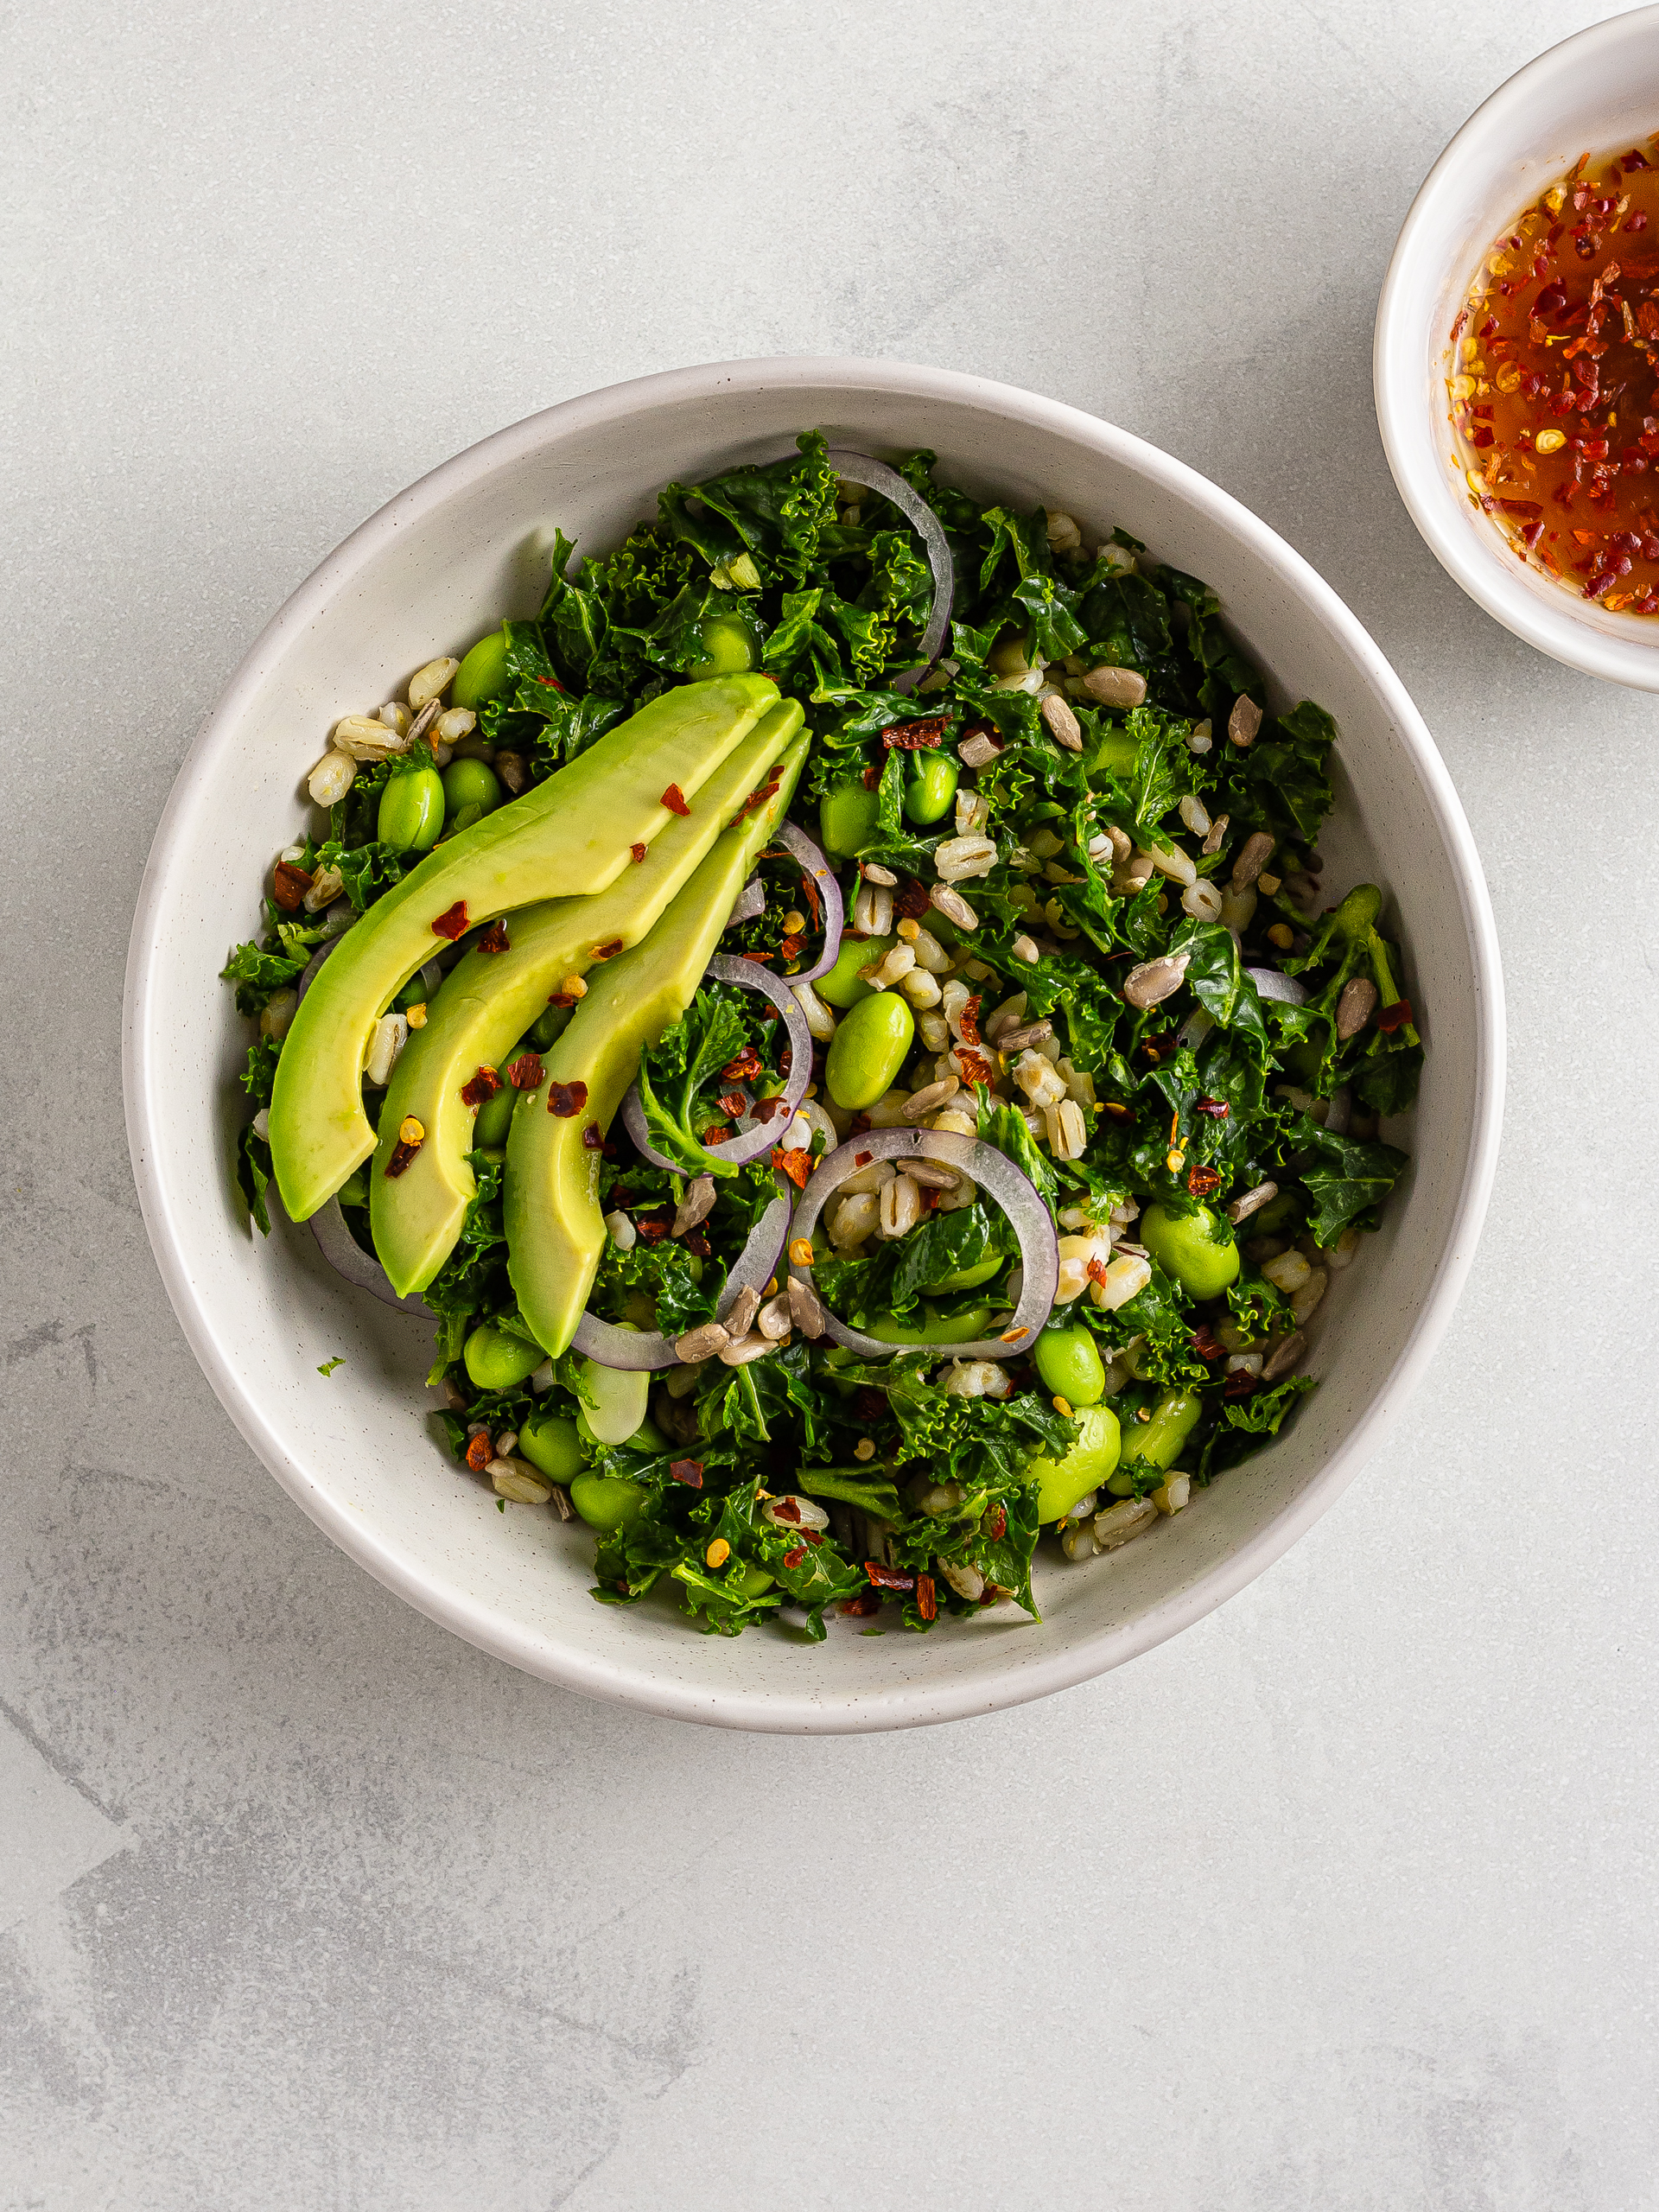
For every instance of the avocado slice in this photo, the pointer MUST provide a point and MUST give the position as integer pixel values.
(489, 1000)
(551, 1210)
(569, 836)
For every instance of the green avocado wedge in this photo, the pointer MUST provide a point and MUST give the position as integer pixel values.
(569, 838)
(489, 1000)
(550, 1199)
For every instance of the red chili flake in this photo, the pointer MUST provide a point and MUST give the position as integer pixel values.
(732, 1102)
(452, 922)
(997, 1522)
(792, 1559)
(913, 901)
(869, 1405)
(790, 947)
(975, 1069)
(785, 1508)
(811, 1536)
(926, 1604)
(1095, 1271)
(550, 683)
(401, 1154)
(609, 950)
(767, 1110)
(1206, 1342)
(638, 851)
(1115, 1111)
(761, 960)
(968, 1019)
(1480, 439)
(862, 1158)
(1201, 1181)
(757, 797)
(1216, 1108)
(593, 1137)
(888, 1578)
(1393, 1017)
(716, 1132)
(696, 1240)
(526, 1072)
(289, 886)
(479, 1452)
(688, 1472)
(1239, 1384)
(872, 775)
(674, 800)
(1633, 159)
(484, 1084)
(810, 893)
(914, 737)
(796, 1165)
(565, 1099)
(495, 938)
(654, 1227)
(744, 1067)
(560, 998)
(861, 1607)
(861, 1125)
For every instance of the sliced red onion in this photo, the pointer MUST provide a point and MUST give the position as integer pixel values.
(748, 1144)
(1033, 1225)
(360, 1268)
(753, 1270)
(812, 860)
(750, 902)
(860, 468)
(1270, 984)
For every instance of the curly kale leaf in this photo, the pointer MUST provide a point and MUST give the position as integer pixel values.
(1348, 1180)
(259, 976)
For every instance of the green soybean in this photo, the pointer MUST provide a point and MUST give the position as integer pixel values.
(484, 674)
(965, 1278)
(933, 1328)
(839, 986)
(932, 788)
(846, 818)
(499, 1361)
(728, 647)
(1061, 1483)
(1159, 1439)
(550, 1442)
(607, 1503)
(411, 810)
(1071, 1367)
(471, 783)
(869, 1050)
(1197, 1249)
(647, 1438)
(618, 1395)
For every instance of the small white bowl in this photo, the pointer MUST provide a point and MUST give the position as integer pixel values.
(1591, 94)
(358, 1451)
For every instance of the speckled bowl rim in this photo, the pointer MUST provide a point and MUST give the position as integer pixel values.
(916, 1702)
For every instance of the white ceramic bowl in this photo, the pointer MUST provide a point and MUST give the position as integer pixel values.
(431, 572)
(1590, 94)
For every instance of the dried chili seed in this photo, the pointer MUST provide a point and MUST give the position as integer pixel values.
(1206, 1342)
(638, 851)
(401, 1154)
(888, 1578)
(1216, 1108)
(479, 1452)
(912, 900)
(565, 1099)
(796, 1165)
(1395, 1017)
(915, 737)
(484, 1084)
(674, 800)
(526, 1072)
(289, 887)
(452, 922)
(792, 1559)
(688, 1472)
(926, 1604)
(997, 1522)
(1201, 1181)
(495, 938)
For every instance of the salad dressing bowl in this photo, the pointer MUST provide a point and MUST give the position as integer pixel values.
(432, 572)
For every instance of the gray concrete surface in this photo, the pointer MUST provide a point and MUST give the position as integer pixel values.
(1341, 1901)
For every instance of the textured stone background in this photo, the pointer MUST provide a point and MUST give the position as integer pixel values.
(1341, 1901)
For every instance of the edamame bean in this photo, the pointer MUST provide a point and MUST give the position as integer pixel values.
(471, 783)
(484, 674)
(550, 1442)
(619, 1397)
(1195, 1249)
(1070, 1365)
(607, 1503)
(933, 1328)
(1061, 1483)
(499, 1361)
(932, 788)
(411, 810)
(839, 986)
(847, 817)
(647, 1438)
(746, 1582)
(869, 1050)
(728, 646)
(1159, 1439)
(965, 1278)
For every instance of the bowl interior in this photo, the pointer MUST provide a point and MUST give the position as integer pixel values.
(359, 1449)
(1598, 92)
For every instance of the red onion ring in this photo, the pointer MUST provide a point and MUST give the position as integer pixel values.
(1014, 1192)
(748, 1144)
(814, 864)
(753, 1270)
(361, 1269)
(750, 902)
